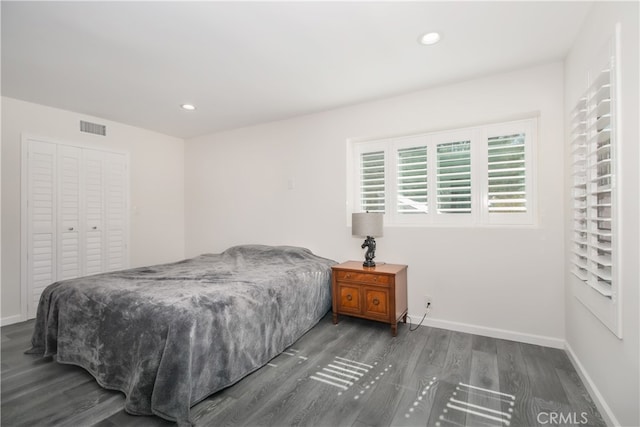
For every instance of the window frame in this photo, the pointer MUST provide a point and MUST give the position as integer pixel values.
(479, 173)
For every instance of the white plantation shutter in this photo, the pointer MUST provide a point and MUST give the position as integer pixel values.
(595, 126)
(372, 181)
(592, 189)
(478, 175)
(579, 244)
(507, 173)
(454, 177)
(599, 184)
(412, 180)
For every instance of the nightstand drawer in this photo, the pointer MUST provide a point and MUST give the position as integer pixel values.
(349, 299)
(376, 279)
(376, 303)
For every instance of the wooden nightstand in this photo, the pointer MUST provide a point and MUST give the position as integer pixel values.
(374, 293)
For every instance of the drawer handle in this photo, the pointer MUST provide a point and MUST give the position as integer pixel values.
(376, 301)
(349, 297)
(347, 276)
(70, 228)
(375, 278)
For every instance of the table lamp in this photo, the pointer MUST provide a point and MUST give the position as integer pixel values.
(369, 225)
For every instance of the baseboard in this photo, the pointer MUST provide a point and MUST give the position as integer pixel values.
(604, 409)
(492, 332)
(10, 320)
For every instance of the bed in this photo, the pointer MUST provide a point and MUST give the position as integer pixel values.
(170, 335)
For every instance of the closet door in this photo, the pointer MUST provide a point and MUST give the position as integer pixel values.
(74, 217)
(116, 212)
(69, 212)
(41, 220)
(94, 211)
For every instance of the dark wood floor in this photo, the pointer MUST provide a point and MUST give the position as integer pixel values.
(352, 374)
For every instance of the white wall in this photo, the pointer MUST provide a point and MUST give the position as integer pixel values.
(611, 365)
(503, 281)
(156, 177)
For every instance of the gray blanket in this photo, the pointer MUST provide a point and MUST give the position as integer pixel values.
(170, 335)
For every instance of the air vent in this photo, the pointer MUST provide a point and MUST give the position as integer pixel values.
(93, 128)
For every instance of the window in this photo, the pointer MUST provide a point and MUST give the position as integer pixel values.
(412, 180)
(472, 176)
(454, 177)
(372, 174)
(593, 157)
(507, 173)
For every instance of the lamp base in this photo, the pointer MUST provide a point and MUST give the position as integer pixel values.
(370, 244)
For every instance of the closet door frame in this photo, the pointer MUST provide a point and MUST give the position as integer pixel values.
(25, 209)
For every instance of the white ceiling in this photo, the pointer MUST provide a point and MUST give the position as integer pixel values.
(243, 63)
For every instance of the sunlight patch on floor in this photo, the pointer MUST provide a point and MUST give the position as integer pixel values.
(463, 398)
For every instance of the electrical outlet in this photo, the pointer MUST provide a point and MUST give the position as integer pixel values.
(428, 301)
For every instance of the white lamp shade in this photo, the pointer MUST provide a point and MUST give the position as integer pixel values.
(367, 224)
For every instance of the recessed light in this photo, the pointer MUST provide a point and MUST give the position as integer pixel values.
(188, 107)
(430, 38)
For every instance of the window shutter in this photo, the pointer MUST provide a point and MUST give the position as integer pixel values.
(437, 178)
(593, 175)
(507, 169)
(372, 182)
(595, 156)
(454, 177)
(599, 180)
(412, 190)
(579, 190)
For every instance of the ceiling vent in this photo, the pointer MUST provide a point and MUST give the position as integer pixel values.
(93, 128)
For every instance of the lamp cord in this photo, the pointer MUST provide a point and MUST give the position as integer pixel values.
(422, 320)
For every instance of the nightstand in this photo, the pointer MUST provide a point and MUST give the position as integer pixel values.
(374, 293)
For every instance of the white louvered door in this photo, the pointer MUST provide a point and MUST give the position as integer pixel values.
(76, 215)
(94, 212)
(69, 212)
(41, 244)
